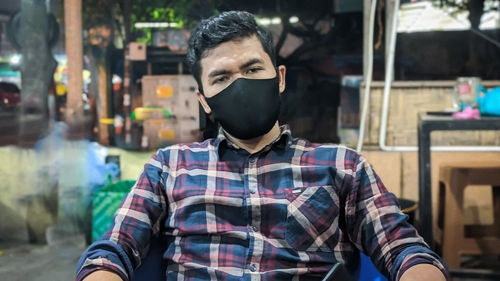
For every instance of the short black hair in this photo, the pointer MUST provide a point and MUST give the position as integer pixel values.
(227, 26)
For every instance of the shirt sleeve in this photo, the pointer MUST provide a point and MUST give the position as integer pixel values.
(378, 228)
(139, 217)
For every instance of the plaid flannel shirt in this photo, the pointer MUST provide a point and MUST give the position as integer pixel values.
(288, 212)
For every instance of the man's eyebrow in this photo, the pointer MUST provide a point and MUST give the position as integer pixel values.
(217, 73)
(251, 62)
(245, 65)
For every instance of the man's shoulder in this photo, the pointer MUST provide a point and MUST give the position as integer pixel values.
(180, 149)
(302, 143)
(188, 146)
(338, 155)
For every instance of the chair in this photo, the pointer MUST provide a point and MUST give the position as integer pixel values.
(458, 239)
(153, 267)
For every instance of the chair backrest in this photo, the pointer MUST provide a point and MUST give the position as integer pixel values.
(153, 267)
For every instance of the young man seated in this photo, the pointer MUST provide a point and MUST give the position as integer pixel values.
(255, 203)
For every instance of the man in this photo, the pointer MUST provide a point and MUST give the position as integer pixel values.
(255, 203)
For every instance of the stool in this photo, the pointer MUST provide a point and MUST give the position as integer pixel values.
(456, 240)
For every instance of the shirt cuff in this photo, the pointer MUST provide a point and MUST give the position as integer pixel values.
(104, 255)
(417, 254)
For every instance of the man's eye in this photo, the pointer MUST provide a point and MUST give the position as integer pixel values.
(219, 80)
(254, 69)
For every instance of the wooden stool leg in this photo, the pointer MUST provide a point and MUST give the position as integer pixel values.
(441, 211)
(453, 220)
(496, 209)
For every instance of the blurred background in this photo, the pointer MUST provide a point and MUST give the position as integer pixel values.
(89, 90)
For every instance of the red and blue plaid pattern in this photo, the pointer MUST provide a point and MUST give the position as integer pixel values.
(289, 212)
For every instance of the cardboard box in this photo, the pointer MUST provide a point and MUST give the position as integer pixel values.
(164, 132)
(177, 94)
(137, 51)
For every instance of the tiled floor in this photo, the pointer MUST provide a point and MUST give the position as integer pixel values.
(29, 262)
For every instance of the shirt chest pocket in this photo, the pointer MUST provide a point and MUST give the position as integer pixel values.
(312, 218)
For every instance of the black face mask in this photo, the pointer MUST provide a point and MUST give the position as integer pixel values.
(248, 108)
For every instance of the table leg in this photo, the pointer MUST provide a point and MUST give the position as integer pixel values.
(424, 184)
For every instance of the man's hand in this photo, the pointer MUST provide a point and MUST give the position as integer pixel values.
(102, 275)
(423, 272)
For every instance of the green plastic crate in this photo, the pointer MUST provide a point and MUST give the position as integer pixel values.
(105, 202)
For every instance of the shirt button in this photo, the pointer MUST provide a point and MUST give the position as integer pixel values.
(252, 191)
(254, 228)
(252, 268)
(252, 160)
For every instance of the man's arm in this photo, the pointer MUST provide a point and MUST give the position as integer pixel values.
(139, 217)
(102, 275)
(423, 272)
(377, 226)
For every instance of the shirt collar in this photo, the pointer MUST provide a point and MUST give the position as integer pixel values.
(281, 142)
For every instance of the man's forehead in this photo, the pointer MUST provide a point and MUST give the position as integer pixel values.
(236, 40)
(240, 49)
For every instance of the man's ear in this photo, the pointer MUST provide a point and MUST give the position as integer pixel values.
(204, 104)
(282, 74)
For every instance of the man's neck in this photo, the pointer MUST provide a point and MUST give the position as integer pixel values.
(256, 144)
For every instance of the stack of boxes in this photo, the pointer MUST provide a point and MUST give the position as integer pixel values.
(176, 94)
